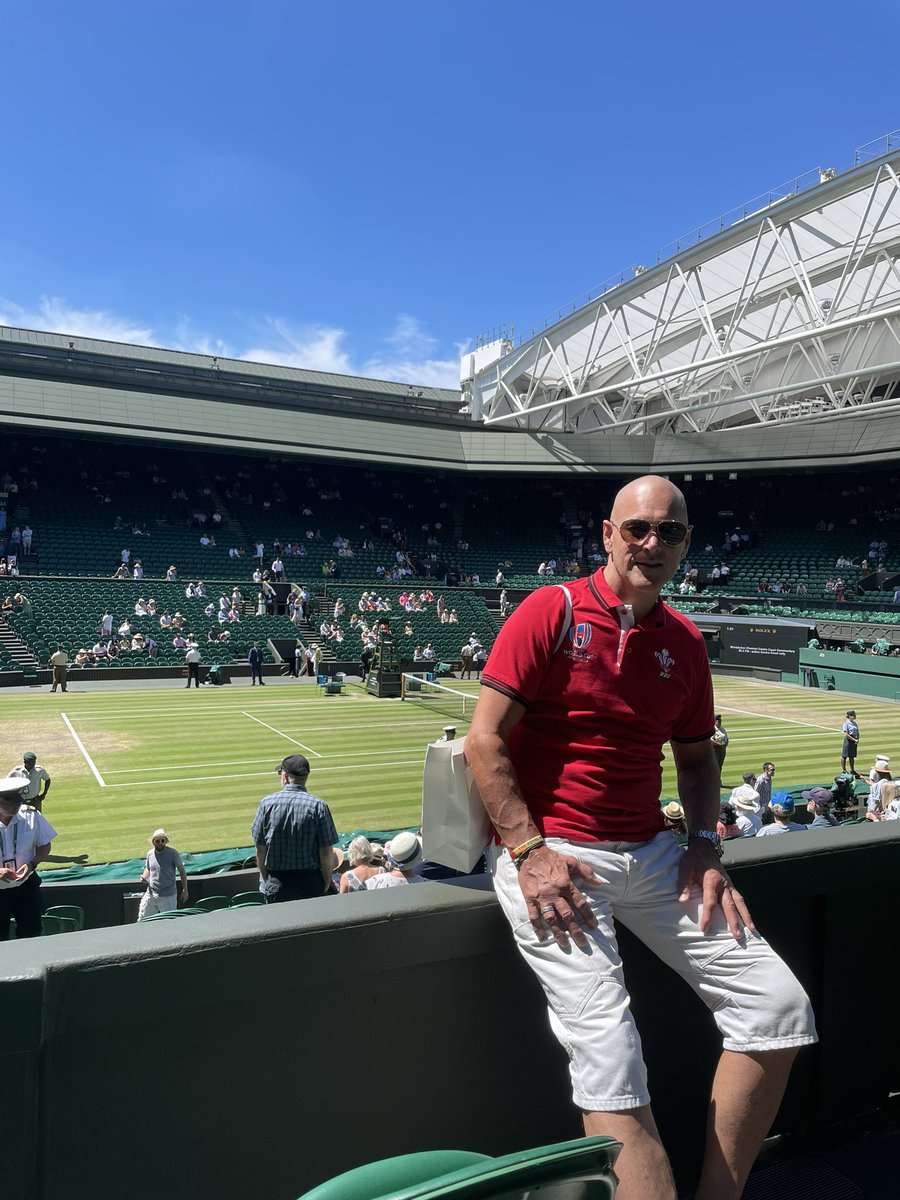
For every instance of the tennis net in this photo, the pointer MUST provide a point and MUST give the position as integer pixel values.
(438, 698)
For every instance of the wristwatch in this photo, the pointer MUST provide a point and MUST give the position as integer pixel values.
(707, 835)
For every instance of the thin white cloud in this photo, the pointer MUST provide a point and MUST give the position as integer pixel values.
(407, 354)
(311, 347)
(56, 316)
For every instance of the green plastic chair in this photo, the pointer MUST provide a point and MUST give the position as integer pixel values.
(73, 912)
(52, 925)
(172, 913)
(211, 903)
(244, 898)
(465, 1175)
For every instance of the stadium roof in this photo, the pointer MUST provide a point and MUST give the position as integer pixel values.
(785, 312)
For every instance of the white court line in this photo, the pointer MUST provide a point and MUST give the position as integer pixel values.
(260, 774)
(767, 737)
(80, 744)
(771, 717)
(314, 753)
(250, 762)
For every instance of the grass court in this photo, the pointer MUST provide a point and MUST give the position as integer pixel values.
(125, 762)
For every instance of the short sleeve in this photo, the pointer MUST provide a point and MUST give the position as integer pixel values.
(525, 645)
(696, 721)
(327, 833)
(44, 832)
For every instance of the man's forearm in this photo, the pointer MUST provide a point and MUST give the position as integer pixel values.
(261, 849)
(499, 787)
(698, 789)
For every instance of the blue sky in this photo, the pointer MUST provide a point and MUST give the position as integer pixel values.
(358, 187)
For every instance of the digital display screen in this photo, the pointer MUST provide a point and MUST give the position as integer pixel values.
(763, 645)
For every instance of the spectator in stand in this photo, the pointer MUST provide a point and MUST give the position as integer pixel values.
(764, 784)
(819, 805)
(403, 863)
(293, 832)
(172, 574)
(881, 792)
(783, 810)
(365, 861)
(27, 534)
(746, 800)
(727, 826)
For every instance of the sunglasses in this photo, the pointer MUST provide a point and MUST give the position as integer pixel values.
(671, 533)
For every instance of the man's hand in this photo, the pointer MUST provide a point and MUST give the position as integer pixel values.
(553, 900)
(700, 865)
(7, 875)
(184, 895)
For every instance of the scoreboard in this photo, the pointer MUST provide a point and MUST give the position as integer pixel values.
(761, 644)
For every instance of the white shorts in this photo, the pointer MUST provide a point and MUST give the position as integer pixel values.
(756, 1001)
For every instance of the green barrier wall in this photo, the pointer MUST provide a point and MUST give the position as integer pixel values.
(264, 1050)
(862, 674)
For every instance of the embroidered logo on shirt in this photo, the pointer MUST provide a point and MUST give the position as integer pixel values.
(666, 662)
(580, 636)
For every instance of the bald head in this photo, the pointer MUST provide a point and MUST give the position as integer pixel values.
(648, 495)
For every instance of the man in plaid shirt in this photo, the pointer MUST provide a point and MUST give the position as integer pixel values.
(293, 832)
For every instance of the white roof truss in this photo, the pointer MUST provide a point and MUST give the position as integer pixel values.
(791, 314)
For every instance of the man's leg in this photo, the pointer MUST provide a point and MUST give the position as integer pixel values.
(643, 1167)
(26, 908)
(746, 1093)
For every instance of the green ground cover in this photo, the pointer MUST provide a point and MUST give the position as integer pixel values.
(198, 763)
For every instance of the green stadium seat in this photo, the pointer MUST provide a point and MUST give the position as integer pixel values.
(587, 1163)
(211, 903)
(72, 912)
(247, 898)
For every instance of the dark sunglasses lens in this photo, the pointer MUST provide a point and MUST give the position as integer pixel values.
(635, 531)
(672, 533)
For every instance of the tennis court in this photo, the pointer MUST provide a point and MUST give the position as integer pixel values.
(198, 762)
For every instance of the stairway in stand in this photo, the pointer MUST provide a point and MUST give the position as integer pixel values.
(15, 647)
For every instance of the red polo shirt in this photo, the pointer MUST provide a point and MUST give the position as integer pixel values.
(599, 704)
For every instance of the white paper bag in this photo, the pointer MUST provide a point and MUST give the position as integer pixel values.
(455, 824)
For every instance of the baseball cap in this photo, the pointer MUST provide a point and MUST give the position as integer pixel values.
(782, 803)
(819, 795)
(294, 764)
(29, 756)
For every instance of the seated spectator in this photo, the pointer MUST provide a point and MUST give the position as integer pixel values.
(166, 620)
(82, 658)
(727, 826)
(673, 816)
(403, 864)
(746, 800)
(365, 861)
(881, 792)
(782, 810)
(125, 628)
(819, 805)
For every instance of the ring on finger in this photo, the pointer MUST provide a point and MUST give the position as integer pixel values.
(548, 908)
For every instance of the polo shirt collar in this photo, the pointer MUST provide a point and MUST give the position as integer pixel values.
(609, 600)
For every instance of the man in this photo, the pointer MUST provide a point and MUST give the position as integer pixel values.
(192, 658)
(764, 785)
(254, 657)
(293, 832)
(25, 837)
(720, 744)
(782, 810)
(35, 778)
(466, 656)
(59, 663)
(566, 744)
(160, 865)
(819, 804)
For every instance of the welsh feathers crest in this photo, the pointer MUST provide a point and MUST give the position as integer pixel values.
(666, 662)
